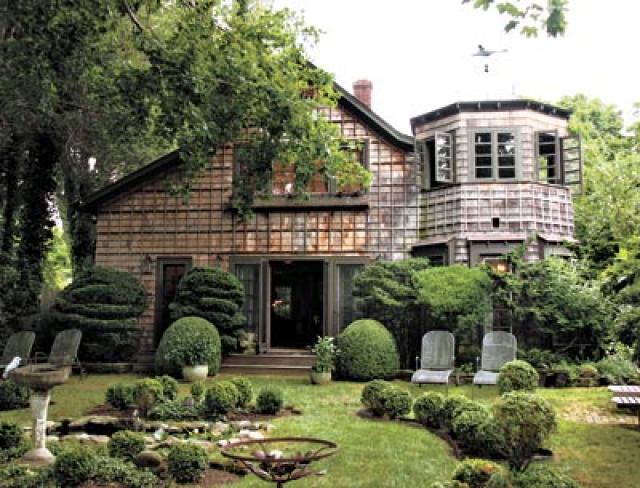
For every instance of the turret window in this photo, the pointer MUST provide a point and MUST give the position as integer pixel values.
(495, 154)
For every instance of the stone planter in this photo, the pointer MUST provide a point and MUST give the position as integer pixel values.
(320, 377)
(193, 374)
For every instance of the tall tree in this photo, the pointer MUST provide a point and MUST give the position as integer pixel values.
(92, 87)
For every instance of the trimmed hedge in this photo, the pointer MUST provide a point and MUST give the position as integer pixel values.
(104, 304)
(186, 336)
(449, 407)
(517, 375)
(539, 476)
(119, 395)
(214, 295)
(366, 351)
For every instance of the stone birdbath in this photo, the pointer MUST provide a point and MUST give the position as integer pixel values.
(281, 459)
(41, 379)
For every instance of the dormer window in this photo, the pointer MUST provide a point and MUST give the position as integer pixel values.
(495, 154)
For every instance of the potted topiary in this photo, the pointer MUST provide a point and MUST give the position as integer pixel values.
(191, 344)
(325, 351)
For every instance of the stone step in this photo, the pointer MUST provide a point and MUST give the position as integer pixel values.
(247, 369)
(305, 360)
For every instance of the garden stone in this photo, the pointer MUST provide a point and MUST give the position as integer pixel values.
(244, 434)
(256, 436)
(148, 459)
(222, 442)
(202, 443)
(53, 438)
(99, 439)
(241, 424)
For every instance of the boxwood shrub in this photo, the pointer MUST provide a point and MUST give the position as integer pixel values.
(126, 444)
(13, 395)
(476, 473)
(366, 351)
(10, 436)
(523, 421)
(220, 397)
(395, 402)
(428, 409)
(187, 462)
(187, 340)
(517, 375)
(75, 465)
(169, 387)
(540, 476)
(449, 407)
(245, 391)
(104, 304)
(119, 395)
(372, 396)
(269, 400)
(146, 392)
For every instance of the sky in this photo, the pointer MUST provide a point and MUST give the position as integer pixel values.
(418, 53)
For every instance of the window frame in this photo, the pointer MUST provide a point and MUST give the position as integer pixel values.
(558, 155)
(427, 158)
(494, 143)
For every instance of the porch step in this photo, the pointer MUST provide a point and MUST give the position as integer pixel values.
(278, 362)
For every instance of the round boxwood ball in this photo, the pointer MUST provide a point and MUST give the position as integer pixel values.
(220, 398)
(188, 340)
(367, 351)
(517, 375)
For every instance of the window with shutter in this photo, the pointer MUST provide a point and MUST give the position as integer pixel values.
(548, 157)
(443, 157)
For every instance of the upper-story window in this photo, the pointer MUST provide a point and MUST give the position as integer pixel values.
(283, 175)
(437, 159)
(495, 154)
(559, 159)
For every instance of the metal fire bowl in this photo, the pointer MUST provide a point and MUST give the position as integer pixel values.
(281, 469)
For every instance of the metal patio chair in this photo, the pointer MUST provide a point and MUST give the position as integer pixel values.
(498, 348)
(437, 359)
(64, 351)
(18, 345)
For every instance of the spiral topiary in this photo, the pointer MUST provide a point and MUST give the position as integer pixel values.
(214, 295)
(185, 342)
(366, 351)
(517, 375)
(104, 304)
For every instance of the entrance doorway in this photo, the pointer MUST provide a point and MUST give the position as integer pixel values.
(297, 303)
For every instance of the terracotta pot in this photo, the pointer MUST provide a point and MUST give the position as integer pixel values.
(192, 374)
(320, 377)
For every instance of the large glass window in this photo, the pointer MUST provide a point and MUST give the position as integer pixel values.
(249, 276)
(346, 307)
(495, 154)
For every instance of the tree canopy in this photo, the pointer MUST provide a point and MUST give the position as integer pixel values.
(92, 89)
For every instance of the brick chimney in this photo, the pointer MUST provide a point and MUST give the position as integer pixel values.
(362, 91)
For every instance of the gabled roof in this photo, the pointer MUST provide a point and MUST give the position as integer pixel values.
(172, 159)
(489, 106)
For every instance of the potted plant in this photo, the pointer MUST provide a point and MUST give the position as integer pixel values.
(193, 348)
(325, 351)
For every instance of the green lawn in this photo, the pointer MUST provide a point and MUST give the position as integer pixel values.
(394, 454)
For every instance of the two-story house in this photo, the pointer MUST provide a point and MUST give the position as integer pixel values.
(478, 179)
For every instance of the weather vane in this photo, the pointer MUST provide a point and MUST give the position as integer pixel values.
(482, 51)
